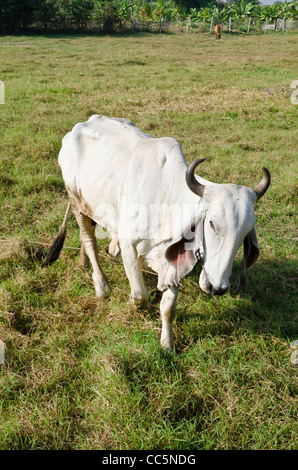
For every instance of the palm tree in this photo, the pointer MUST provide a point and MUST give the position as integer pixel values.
(204, 14)
(270, 12)
(294, 10)
(164, 9)
(284, 9)
(219, 15)
(124, 10)
(244, 9)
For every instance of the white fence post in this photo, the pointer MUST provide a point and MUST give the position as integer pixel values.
(248, 27)
(211, 26)
(266, 26)
(230, 22)
(2, 90)
(160, 29)
(188, 23)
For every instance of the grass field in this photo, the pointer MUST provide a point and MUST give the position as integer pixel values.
(78, 375)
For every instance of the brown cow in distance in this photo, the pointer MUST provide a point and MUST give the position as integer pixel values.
(217, 31)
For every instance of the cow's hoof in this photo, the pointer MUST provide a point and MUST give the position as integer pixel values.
(139, 301)
(167, 343)
(103, 290)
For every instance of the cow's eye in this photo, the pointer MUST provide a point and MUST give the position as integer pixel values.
(212, 225)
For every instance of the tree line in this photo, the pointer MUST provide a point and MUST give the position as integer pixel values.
(17, 16)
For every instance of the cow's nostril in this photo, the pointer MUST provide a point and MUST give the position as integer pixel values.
(218, 291)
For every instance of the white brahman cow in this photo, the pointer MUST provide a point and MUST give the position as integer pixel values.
(158, 212)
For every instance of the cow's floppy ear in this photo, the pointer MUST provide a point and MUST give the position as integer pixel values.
(182, 259)
(182, 255)
(251, 252)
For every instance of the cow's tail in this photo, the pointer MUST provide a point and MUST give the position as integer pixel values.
(57, 244)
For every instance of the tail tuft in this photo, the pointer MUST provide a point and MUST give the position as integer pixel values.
(55, 249)
(57, 244)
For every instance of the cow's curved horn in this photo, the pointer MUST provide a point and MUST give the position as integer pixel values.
(264, 184)
(191, 181)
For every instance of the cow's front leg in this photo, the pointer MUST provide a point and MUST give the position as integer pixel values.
(133, 268)
(88, 241)
(167, 310)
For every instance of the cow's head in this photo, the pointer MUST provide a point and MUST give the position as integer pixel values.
(226, 223)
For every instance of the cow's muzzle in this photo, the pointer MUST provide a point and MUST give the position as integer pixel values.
(218, 291)
(208, 287)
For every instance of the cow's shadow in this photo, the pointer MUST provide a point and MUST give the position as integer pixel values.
(267, 305)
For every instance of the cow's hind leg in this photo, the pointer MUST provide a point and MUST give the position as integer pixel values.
(89, 250)
(84, 260)
(167, 310)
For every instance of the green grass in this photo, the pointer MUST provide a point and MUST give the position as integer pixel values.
(79, 375)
